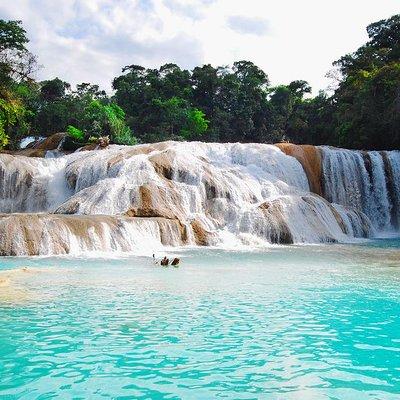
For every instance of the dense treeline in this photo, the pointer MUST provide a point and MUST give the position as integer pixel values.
(222, 104)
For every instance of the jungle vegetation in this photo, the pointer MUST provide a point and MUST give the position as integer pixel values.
(221, 104)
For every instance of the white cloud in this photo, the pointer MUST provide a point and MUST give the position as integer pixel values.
(248, 25)
(91, 40)
(186, 8)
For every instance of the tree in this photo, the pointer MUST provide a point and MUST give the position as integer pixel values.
(195, 124)
(290, 111)
(206, 82)
(224, 103)
(241, 108)
(177, 120)
(11, 113)
(385, 34)
(367, 111)
(16, 65)
(16, 62)
(100, 119)
(54, 89)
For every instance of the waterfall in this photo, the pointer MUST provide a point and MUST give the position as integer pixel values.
(47, 234)
(31, 184)
(126, 198)
(392, 162)
(367, 181)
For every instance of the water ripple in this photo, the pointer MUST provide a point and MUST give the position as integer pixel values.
(127, 330)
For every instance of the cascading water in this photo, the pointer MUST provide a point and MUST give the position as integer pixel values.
(31, 184)
(366, 181)
(191, 193)
(392, 162)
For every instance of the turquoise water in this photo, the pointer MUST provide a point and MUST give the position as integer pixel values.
(312, 322)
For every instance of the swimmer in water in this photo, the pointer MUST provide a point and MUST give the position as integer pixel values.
(165, 262)
(175, 262)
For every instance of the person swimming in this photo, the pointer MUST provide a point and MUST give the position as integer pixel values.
(165, 261)
(175, 262)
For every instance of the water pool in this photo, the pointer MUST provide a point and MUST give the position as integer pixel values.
(306, 322)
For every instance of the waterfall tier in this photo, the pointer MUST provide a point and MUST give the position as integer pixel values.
(47, 234)
(366, 181)
(172, 193)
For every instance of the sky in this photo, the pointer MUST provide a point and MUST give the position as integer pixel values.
(91, 40)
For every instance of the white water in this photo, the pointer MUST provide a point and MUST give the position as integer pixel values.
(31, 184)
(240, 194)
(394, 158)
(359, 180)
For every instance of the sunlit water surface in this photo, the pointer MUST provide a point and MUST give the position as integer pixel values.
(312, 322)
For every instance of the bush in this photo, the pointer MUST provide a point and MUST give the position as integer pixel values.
(125, 137)
(104, 120)
(93, 139)
(75, 133)
(120, 133)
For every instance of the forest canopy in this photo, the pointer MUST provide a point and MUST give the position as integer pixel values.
(225, 104)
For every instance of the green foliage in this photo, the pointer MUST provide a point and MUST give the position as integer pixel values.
(12, 35)
(92, 139)
(123, 134)
(76, 134)
(158, 103)
(106, 120)
(120, 132)
(12, 113)
(94, 119)
(54, 89)
(87, 108)
(225, 104)
(3, 122)
(177, 120)
(16, 64)
(195, 124)
(366, 111)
